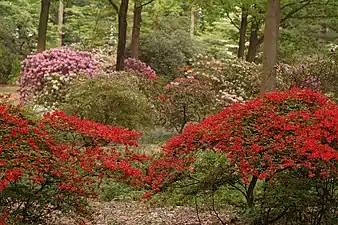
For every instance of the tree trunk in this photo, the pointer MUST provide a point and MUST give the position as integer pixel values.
(242, 32)
(192, 22)
(268, 79)
(155, 22)
(250, 192)
(253, 42)
(122, 35)
(156, 25)
(43, 22)
(60, 22)
(135, 39)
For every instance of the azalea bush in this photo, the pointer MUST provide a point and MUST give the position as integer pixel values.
(62, 61)
(114, 99)
(281, 156)
(53, 165)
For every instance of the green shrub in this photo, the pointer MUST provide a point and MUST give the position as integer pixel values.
(158, 135)
(118, 191)
(110, 99)
(165, 53)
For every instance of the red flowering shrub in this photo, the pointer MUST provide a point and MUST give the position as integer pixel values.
(283, 139)
(54, 164)
(186, 100)
(62, 61)
(132, 64)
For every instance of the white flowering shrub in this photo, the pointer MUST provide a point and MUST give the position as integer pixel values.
(54, 91)
(233, 80)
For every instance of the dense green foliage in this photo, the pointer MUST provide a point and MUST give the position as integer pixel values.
(110, 99)
(166, 53)
(17, 33)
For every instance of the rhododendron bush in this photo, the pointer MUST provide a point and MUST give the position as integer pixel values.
(144, 71)
(315, 74)
(54, 91)
(186, 100)
(54, 164)
(233, 80)
(271, 144)
(206, 87)
(63, 61)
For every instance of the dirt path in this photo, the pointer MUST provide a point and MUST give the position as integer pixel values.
(138, 213)
(12, 91)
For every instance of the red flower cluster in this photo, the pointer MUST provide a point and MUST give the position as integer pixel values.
(297, 129)
(70, 153)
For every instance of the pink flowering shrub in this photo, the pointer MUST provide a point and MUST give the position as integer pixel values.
(63, 61)
(132, 64)
(315, 74)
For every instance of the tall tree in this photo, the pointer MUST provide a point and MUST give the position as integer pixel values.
(254, 41)
(135, 37)
(192, 21)
(60, 22)
(42, 30)
(242, 33)
(122, 35)
(272, 21)
(155, 18)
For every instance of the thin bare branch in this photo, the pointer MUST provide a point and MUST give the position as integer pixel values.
(147, 3)
(115, 5)
(214, 209)
(197, 213)
(232, 21)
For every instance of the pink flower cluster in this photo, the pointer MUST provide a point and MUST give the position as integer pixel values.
(59, 60)
(132, 64)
